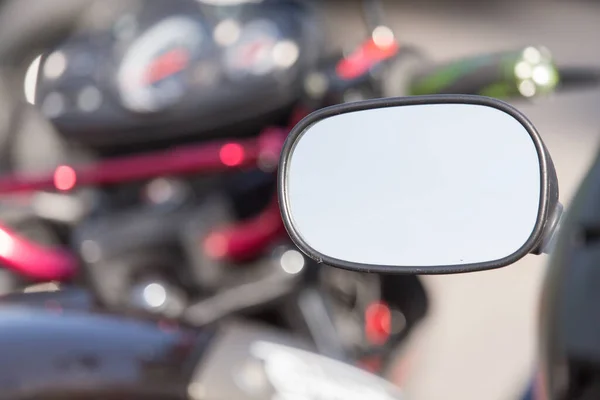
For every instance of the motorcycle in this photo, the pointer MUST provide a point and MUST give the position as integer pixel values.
(126, 272)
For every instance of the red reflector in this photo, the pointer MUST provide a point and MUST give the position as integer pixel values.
(231, 154)
(364, 58)
(378, 323)
(65, 178)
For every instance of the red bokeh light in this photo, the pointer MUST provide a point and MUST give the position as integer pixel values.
(378, 323)
(65, 178)
(231, 154)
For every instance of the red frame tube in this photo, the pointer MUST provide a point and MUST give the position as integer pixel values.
(40, 263)
(33, 261)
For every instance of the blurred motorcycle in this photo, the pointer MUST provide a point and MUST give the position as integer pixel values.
(193, 232)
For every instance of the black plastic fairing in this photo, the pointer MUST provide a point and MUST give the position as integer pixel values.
(576, 276)
(569, 323)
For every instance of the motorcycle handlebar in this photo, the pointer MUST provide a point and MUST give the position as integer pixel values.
(578, 77)
(523, 73)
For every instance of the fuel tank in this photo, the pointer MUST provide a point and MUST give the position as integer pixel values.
(50, 353)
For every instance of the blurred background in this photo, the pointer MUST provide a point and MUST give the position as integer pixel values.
(479, 337)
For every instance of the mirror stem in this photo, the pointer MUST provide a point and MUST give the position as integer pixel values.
(551, 230)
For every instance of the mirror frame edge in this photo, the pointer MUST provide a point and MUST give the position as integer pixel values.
(548, 185)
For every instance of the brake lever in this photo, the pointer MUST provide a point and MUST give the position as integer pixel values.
(240, 298)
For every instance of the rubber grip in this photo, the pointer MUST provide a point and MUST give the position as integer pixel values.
(579, 78)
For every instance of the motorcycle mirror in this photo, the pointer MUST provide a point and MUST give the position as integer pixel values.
(424, 185)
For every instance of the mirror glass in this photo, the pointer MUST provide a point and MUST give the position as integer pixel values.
(415, 185)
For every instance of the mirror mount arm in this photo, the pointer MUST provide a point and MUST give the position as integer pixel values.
(550, 231)
(555, 212)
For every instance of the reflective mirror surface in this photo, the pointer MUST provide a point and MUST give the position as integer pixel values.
(415, 185)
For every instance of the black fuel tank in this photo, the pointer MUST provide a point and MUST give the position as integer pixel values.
(54, 353)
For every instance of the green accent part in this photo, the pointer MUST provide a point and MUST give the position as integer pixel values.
(506, 86)
(554, 79)
(445, 77)
(499, 91)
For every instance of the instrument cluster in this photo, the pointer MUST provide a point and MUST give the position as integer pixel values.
(175, 68)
